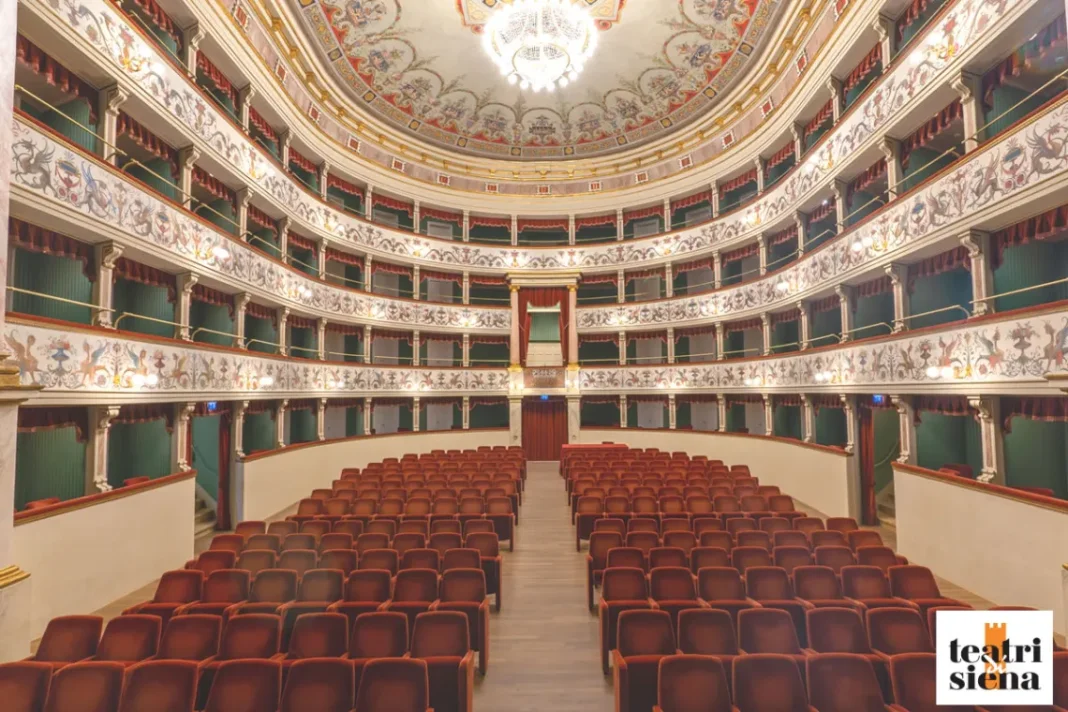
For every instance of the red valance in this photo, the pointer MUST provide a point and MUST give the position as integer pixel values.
(475, 402)
(262, 219)
(642, 274)
(220, 408)
(880, 285)
(257, 120)
(448, 338)
(144, 138)
(821, 212)
(642, 335)
(455, 401)
(301, 404)
(826, 304)
(209, 70)
(487, 279)
(692, 265)
(387, 335)
(705, 196)
(912, 12)
(788, 315)
(336, 181)
(261, 406)
(741, 253)
(602, 278)
(300, 322)
(345, 403)
(1050, 409)
(1040, 227)
(390, 268)
(598, 338)
(873, 173)
(744, 325)
(788, 400)
(486, 339)
(55, 74)
(143, 274)
(541, 224)
(938, 264)
(783, 236)
(595, 220)
(214, 186)
(873, 60)
(933, 127)
(392, 203)
(302, 243)
(599, 400)
(160, 18)
(31, 420)
(445, 215)
(642, 398)
(259, 311)
(146, 413)
(386, 402)
(486, 221)
(781, 155)
(826, 401)
(640, 213)
(37, 239)
(214, 297)
(443, 276)
(945, 405)
(1035, 49)
(345, 258)
(344, 329)
(694, 331)
(749, 176)
(301, 162)
(745, 398)
(697, 398)
(823, 115)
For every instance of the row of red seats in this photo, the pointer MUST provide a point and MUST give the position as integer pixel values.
(653, 477)
(355, 526)
(320, 543)
(777, 531)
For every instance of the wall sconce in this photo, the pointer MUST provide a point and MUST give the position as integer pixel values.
(140, 380)
(824, 377)
(943, 372)
(264, 382)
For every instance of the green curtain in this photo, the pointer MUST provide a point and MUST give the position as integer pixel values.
(734, 345)
(302, 426)
(824, 323)
(830, 426)
(680, 218)
(813, 138)
(858, 89)
(156, 174)
(628, 227)
(544, 326)
(938, 291)
(1009, 104)
(599, 415)
(204, 430)
(457, 353)
(489, 416)
(73, 119)
(948, 439)
(405, 419)
(346, 201)
(266, 240)
(910, 30)
(1027, 265)
(259, 432)
(211, 316)
(861, 205)
(138, 449)
(785, 332)
(924, 163)
(221, 100)
(595, 233)
(489, 294)
(733, 198)
(490, 354)
(786, 421)
(221, 214)
(490, 233)
(887, 427)
(303, 260)
(310, 179)
(354, 422)
(778, 171)
(353, 349)
(404, 219)
(268, 145)
(146, 300)
(164, 40)
(731, 272)
(602, 353)
(736, 418)
(1036, 455)
(782, 255)
(682, 349)
(878, 308)
(683, 415)
(302, 343)
(542, 237)
(820, 232)
(55, 275)
(456, 295)
(262, 330)
(49, 463)
(602, 292)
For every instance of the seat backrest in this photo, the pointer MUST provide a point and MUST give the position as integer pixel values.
(720, 583)
(408, 540)
(842, 524)
(486, 542)
(478, 526)
(600, 543)
(335, 540)
(372, 540)
(744, 557)
(684, 540)
(625, 556)
(245, 685)
(440, 634)
(256, 560)
(160, 686)
(208, 561)
(180, 586)
(624, 584)
(790, 557)
(768, 682)
(913, 582)
(446, 526)
(692, 683)
(704, 556)
(836, 630)
(380, 526)
(461, 558)
(190, 637)
(643, 540)
(344, 560)
(816, 583)
(69, 638)
(86, 687)
(321, 685)
(767, 630)
(226, 586)
(129, 638)
(24, 685)
(315, 527)
(319, 635)
(421, 559)
(370, 585)
(707, 631)
(835, 557)
(671, 583)
(720, 539)
(768, 583)
(227, 542)
(274, 586)
(403, 682)
(775, 525)
(379, 635)
(667, 556)
(645, 632)
(863, 582)
(322, 585)
(386, 559)
(250, 527)
(250, 635)
(754, 538)
(827, 538)
(788, 537)
(843, 682)
(863, 537)
(898, 630)
(301, 540)
(912, 676)
(283, 527)
(269, 542)
(443, 541)
(462, 585)
(416, 585)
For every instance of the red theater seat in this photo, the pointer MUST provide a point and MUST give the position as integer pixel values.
(840, 682)
(86, 687)
(692, 683)
(917, 584)
(464, 590)
(394, 685)
(319, 685)
(68, 639)
(377, 635)
(769, 683)
(709, 632)
(317, 635)
(643, 639)
(414, 591)
(365, 592)
(129, 639)
(191, 637)
(175, 588)
(160, 686)
(722, 587)
(913, 679)
(623, 589)
(24, 686)
(893, 631)
(222, 589)
(440, 640)
(245, 685)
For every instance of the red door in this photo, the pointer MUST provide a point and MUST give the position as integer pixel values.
(544, 427)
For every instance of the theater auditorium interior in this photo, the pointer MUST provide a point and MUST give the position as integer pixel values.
(694, 372)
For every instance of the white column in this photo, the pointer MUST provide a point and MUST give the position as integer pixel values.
(721, 340)
(907, 429)
(244, 102)
(466, 411)
(180, 435)
(368, 416)
(109, 101)
(834, 86)
(571, 229)
(515, 420)
(415, 282)
(808, 420)
(672, 412)
(243, 195)
(803, 325)
(846, 300)
(283, 331)
(671, 344)
(619, 224)
(667, 214)
(759, 163)
(320, 339)
(515, 230)
(572, 326)
(886, 28)
(285, 137)
(800, 223)
(715, 198)
(320, 259)
(623, 411)
(283, 239)
(967, 85)
(368, 335)
(769, 414)
(622, 348)
(765, 332)
(621, 286)
(721, 413)
(96, 453)
(574, 418)
(185, 283)
(237, 435)
(513, 342)
(797, 129)
(369, 206)
(466, 351)
(980, 247)
(416, 217)
(368, 273)
(841, 210)
(105, 254)
(320, 419)
(280, 422)
(669, 281)
(989, 410)
(415, 414)
(466, 298)
(849, 408)
(898, 275)
(467, 228)
(241, 301)
(762, 252)
(192, 35)
(717, 269)
(415, 348)
(891, 148)
(187, 157)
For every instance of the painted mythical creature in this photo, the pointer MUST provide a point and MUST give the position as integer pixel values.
(97, 195)
(33, 166)
(1046, 147)
(24, 357)
(90, 364)
(986, 186)
(991, 353)
(1054, 351)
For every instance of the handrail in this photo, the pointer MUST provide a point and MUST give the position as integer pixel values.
(95, 307)
(866, 327)
(135, 315)
(837, 337)
(951, 307)
(193, 336)
(743, 352)
(782, 346)
(249, 342)
(304, 348)
(1021, 290)
(359, 357)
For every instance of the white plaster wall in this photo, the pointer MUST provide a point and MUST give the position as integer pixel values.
(819, 478)
(270, 484)
(1007, 550)
(86, 558)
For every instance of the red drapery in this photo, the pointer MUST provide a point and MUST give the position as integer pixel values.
(602, 278)
(637, 335)
(821, 212)
(789, 400)
(214, 186)
(824, 114)
(789, 315)
(697, 398)
(744, 325)
(390, 268)
(867, 466)
(386, 335)
(705, 196)
(781, 155)
(936, 125)
(209, 70)
(345, 258)
(1040, 227)
(486, 221)
(594, 220)
(486, 279)
(693, 265)
(913, 11)
(643, 274)
(476, 402)
(694, 331)
(146, 413)
(33, 419)
(1035, 49)
(262, 219)
(749, 176)
(345, 403)
(37, 239)
(436, 214)
(346, 329)
(443, 276)
(261, 406)
(740, 254)
(598, 338)
(542, 297)
(869, 176)
(160, 19)
(147, 140)
(257, 120)
(55, 73)
(873, 59)
(302, 243)
(938, 264)
(826, 401)
(259, 311)
(143, 274)
(745, 398)
(301, 162)
(392, 203)
(945, 405)
(544, 428)
(301, 404)
(542, 224)
(640, 213)
(485, 339)
(336, 181)
(300, 322)
(783, 236)
(453, 338)
(1050, 409)
(826, 304)
(213, 296)
(880, 285)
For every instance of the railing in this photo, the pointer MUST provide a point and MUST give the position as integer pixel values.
(63, 300)
(858, 329)
(135, 315)
(193, 335)
(1033, 287)
(359, 357)
(275, 344)
(941, 310)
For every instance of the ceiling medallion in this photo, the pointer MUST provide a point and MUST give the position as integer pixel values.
(540, 44)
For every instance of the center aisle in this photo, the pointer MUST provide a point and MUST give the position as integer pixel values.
(544, 642)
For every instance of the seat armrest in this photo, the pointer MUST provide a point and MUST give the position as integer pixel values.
(804, 604)
(384, 606)
(859, 604)
(206, 661)
(467, 682)
(620, 682)
(654, 605)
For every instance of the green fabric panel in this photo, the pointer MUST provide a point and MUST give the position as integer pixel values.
(156, 174)
(733, 198)
(404, 352)
(261, 330)
(598, 352)
(682, 350)
(544, 326)
(1027, 265)
(542, 237)
(782, 255)
(942, 290)
(680, 217)
(265, 143)
(457, 353)
(1035, 455)
(910, 31)
(55, 275)
(204, 430)
(683, 415)
(302, 343)
(924, 163)
(309, 179)
(49, 463)
(1009, 105)
(599, 415)
(490, 233)
(404, 220)
(736, 418)
(456, 296)
(265, 240)
(405, 419)
(489, 416)
(146, 300)
(353, 347)
(858, 89)
(632, 414)
(221, 214)
(489, 294)
(731, 272)
(259, 432)
(210, 316)
(138, 449)
(595, 233)
(830, 426)
(786, 421)
(628, 227)
(303, 260)
(887, 426)
(785, 332)
(601, 293)
(948, 439)
(875, 309)
(489, 354)
(73, 120)
(813, 138)
(302, 426)
(820, 232)
(862, 205)
(734, 344)
(353, 277)
(354, 422)
(824, 323)
(778, 171)
(347, 201)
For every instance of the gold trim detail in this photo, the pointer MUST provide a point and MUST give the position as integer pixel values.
(11, 575)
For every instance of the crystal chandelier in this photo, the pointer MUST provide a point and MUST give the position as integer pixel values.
(540, 44)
